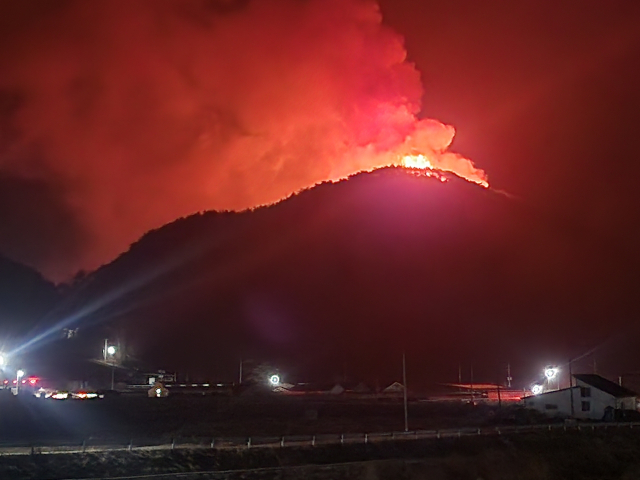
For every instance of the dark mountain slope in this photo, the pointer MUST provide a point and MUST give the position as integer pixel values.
(25, 297)
(345, 276)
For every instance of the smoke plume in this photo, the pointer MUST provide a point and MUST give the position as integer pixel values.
(123, 115)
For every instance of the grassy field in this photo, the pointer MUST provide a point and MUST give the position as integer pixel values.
(611, 453)
(33, 420)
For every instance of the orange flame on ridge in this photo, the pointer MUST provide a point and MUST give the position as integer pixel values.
(417, 161)
(422, 163)
(421, 166)
(427, 150)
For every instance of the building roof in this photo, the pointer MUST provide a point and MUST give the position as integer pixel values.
(395, 387)
(477, 386)
(607, 386)
(548, 392)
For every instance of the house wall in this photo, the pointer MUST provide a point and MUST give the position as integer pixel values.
(556, 403)
(597, 401)
(602, 399)
(587, 404)
(628, 403)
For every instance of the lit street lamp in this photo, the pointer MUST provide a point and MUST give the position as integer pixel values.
(109, 352)
(551, 373)
(536, 389)
(274, 380)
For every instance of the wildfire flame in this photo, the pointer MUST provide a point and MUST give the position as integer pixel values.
(421, 166)
(426, 150)
(419, 162)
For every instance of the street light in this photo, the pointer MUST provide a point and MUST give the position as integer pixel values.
(110, 351)
(274, 380)
(1, 360)
(551, 373)
(536, 389)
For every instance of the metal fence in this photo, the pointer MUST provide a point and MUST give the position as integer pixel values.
(90, 444)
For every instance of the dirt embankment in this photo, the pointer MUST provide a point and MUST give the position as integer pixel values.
(602, 455)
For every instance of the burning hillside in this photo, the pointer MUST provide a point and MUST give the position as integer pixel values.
(127, 115)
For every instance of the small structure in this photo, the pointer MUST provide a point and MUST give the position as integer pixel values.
(337, 389)
(283, 388)
(594, 398)
(158, 391)
(396, 389)
(159, 376)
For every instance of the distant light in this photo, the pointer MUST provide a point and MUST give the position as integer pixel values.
(274, 380)
(60, 395)
(20, 373)
(158, 392)
(84, 395)
(111, 350)
(536, 389)
(550, 372)
(33, 380)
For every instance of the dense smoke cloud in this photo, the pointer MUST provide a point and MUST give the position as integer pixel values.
(125, 115)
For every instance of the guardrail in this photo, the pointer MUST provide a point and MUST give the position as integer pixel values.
(90, 444)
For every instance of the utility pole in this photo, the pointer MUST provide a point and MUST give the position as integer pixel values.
(240, 375)
(499, 397)
(571, 388)
(404, 391)
(509, 374)
(472, 395)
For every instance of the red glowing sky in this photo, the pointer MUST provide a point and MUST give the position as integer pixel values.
(117, 117)
(142, 112)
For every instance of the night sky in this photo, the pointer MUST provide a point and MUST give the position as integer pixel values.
(118, 117)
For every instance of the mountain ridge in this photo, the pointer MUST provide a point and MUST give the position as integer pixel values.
(348, 273)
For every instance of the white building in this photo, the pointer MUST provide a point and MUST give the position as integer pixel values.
(594, 398)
